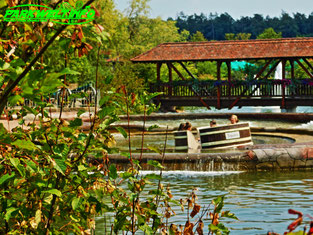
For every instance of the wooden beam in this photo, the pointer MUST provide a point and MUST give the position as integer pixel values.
(272, 69)
(283, 86)
(159, 71)
(292, 64)
(170, 79)
(257, 76)
(263, 68)
(228, 63)
(308, 63)
(190, 74)
(304, 68)
(218, 73)
(283, 69)
(158, 80)
(177, 71)
(185, 68)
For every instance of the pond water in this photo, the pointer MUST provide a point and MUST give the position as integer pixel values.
(260, 200)
(157, 140)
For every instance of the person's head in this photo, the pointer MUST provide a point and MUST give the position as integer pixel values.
(188, 126)
(233, 119)
(213, 123)
(181, 126)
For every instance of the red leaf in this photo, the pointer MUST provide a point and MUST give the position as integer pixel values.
(73, 36)
(80, 34)
(97, 12)
(295, 224)
(294, 212)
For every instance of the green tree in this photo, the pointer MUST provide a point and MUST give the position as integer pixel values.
(269, 33)
(198, 37)
(238, 36)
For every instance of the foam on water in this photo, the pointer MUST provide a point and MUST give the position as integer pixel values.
(190, 174)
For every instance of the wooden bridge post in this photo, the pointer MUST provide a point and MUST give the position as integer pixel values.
(170, 79)
(219, 63)
(283, 86)
(158, 81)
(229, 77)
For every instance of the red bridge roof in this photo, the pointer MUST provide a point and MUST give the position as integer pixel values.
(229, 50)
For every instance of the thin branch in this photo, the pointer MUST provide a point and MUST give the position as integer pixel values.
(94, 119)
(9, 88)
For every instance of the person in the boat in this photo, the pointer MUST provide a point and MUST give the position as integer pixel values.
(188, 126)
(233, 119)
(182, 127)
(213, 123)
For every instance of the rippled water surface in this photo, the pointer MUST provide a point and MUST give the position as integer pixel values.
(260, 200)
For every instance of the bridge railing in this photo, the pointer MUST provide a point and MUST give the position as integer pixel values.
(80, 97)
(254, 88)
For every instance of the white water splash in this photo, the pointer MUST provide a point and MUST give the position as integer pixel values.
(190, 174)
(308, 126)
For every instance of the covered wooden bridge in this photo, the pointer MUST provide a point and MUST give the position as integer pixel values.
(287, 92)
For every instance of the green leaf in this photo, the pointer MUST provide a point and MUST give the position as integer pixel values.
(31, 110)
(108, 79)
(25, 144)
(153, 177)
(69, 71)
(81, 168)
(9, 212)
(54, 192)
(4, 66)
(227, 214)
(80, 112)
(122, 131)
(153, 127)
(13, 100)
(59, 165)
(36, 75)
(6, 177)
(219, 202)
(105, 111)
(113, 171)
(154, 149)
(213, 228)
(31, 165)
(146, 229)
(126, 175)
(76, 202)
(76, 219)
(2, 3)
(18, 62)
(38, 217)
(76, 122)
(16, 163)
(155, 164)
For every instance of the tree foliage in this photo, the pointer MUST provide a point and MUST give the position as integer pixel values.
(216, 26)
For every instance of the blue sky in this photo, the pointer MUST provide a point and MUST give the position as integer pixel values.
(236, 8)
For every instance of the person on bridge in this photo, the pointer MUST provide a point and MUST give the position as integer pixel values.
(233, 119)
